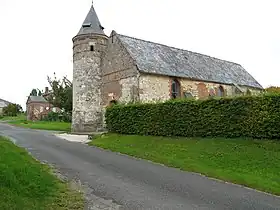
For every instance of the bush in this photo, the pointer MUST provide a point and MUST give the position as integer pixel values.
(12, 110)
(247, 116)
(61, 117)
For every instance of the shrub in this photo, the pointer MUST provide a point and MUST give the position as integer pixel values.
(56, 116)
(247, 116)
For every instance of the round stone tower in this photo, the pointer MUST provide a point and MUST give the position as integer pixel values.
(89, 47)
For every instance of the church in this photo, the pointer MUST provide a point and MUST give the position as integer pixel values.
(123, 69)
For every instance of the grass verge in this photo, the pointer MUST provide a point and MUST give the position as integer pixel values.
(43, 125)
(15, 118)
(252, 163)
(27, 184)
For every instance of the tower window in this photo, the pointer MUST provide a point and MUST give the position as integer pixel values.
(86, 25)
(91, 48)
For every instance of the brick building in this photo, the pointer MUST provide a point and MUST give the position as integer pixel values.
(125, 69)
(37, 107)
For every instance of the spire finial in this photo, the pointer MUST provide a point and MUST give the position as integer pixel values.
(91, 2)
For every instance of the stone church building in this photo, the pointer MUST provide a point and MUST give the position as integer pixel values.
(119, 68)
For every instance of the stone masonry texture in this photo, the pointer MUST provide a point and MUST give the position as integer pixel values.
(87, 54)
(119, 74)
(153, 88)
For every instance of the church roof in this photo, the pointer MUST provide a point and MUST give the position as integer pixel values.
(156, 58)
(91, 24)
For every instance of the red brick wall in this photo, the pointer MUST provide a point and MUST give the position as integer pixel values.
(37, 110)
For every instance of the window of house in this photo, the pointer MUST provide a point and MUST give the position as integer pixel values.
(221, 91)
(188, 95)
(175, 89)
(91, 48)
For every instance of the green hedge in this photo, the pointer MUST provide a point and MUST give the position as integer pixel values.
(256, 116)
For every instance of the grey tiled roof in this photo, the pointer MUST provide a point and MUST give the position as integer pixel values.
(91, 24)
(4, 103)
(37, 99)
(160, 59)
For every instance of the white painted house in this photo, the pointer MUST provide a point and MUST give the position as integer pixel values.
(3, 104)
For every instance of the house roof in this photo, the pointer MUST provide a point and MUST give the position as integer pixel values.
(36, 99)
(156, 58)
(91, 24)
(4, 103)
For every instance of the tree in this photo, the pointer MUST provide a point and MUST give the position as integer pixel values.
(36, 92)
(12, 110)
(33, 92)
(39, 93)
(61, 93)
(273, 89)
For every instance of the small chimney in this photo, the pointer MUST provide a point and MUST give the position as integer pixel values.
(46, 90)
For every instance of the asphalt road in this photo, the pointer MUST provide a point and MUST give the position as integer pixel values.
(133, 183)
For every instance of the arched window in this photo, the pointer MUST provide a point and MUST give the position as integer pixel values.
(221, 91)
(175, 89)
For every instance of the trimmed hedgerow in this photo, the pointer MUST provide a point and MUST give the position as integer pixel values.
(254, 116)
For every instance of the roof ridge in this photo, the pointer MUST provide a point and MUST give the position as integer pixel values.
(180, 49)
(4, 101)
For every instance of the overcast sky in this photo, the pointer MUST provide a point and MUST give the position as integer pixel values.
(36, 36)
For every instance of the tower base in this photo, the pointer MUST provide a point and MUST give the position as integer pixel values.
(87, 122)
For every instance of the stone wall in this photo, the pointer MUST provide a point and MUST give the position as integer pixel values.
(119, 74)
(154, 88)
(88, 51)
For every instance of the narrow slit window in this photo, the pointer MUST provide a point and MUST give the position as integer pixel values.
(91, 48)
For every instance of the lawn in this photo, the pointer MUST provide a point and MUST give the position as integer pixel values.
(26, 184)
(43, 125)
(15, 118)
(252, 163)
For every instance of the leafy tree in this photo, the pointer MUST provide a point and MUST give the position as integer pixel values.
(36, 92)
(33, 92)
(12, 110)
(61, 93)
(273, 89)
(39, 93)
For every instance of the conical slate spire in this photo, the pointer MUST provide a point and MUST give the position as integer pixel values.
(91, 24)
